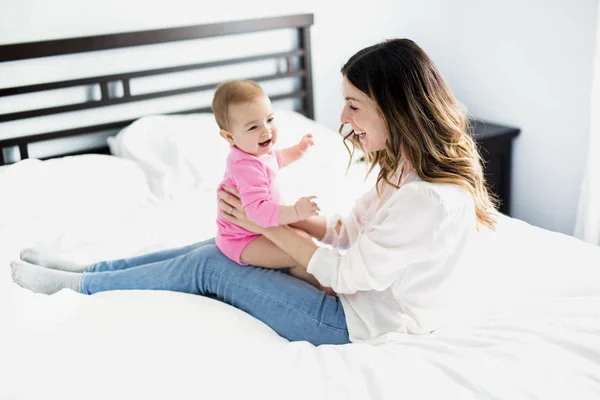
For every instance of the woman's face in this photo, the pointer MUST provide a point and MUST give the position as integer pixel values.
(362, 113)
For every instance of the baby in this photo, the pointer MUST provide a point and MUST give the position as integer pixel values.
(246, 120)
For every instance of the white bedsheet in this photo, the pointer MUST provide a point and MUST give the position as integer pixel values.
(534, 333)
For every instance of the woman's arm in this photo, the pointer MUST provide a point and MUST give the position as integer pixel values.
(314, 226)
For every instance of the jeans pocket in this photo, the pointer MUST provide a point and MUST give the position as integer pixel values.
(332, 328)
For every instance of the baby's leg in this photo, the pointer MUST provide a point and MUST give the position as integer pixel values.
(261, 252)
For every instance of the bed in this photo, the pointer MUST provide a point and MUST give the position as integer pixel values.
(147, 182)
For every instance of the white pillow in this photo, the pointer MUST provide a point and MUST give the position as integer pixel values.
(185, 153)
(71, 187)
(178, 153)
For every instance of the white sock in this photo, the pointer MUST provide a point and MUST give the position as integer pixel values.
(49, 259)
(43, 280)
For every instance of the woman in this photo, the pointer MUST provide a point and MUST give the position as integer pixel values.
(405, 239)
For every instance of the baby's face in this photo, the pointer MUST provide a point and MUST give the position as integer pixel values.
(252, 126)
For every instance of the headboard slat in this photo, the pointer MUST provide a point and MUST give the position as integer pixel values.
(144, 73)
(307, 66)
(108, 101)
(126, 87)
(23, 151)
(22, 51)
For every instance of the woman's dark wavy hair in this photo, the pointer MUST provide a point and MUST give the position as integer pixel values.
(425, 122)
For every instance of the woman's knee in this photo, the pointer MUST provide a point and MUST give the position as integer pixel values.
(210, 258)
(207, 254)
(206, 265)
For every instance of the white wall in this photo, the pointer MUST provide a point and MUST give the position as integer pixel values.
(525, 63)
(522, 63)
(529, 64)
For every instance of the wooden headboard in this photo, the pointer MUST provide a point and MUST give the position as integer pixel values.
(298, 64)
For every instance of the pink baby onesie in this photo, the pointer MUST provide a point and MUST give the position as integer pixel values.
(255, 179)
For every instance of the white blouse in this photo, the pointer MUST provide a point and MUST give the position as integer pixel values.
(403, 250)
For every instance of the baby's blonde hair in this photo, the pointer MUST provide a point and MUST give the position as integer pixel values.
(233, 92)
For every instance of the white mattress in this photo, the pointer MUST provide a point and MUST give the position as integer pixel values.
(536, 332)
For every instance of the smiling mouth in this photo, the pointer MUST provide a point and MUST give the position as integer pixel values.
(266, 143)
(360, 134)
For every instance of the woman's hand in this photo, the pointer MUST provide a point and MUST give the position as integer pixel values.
(232, 210)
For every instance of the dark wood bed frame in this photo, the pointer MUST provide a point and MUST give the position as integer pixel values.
(31, 50)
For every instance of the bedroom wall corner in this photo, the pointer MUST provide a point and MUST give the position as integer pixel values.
(529, 64)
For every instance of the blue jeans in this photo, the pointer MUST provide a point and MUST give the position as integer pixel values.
(293, 308)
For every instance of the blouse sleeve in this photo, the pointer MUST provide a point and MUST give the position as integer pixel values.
(407, 234)
(342, 232)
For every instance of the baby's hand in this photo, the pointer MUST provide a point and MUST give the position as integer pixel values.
(306, 141)
(306, 207)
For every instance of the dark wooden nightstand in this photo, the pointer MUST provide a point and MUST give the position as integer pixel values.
(495, 143)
